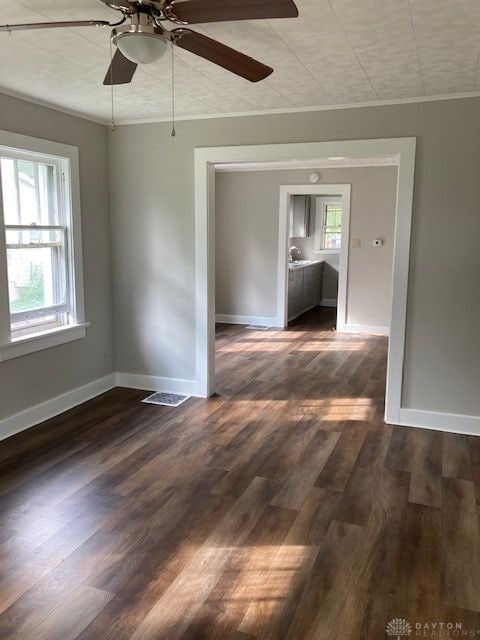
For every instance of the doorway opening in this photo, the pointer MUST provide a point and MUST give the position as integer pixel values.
(313, 248)
(207, 159)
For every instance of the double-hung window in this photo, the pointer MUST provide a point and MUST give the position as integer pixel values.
(328, 225)
(40, 281)
(332, 226)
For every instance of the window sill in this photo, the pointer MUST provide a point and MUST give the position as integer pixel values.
(326, 252)
(39, 341)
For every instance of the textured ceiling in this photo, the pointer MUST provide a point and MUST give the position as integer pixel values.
(336, 52)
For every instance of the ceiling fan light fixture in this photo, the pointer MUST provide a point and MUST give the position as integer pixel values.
(140, 44)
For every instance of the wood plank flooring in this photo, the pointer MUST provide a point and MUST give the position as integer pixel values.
(283, 508)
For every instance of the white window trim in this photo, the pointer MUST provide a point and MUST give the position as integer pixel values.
(69, 157)
(317, 241)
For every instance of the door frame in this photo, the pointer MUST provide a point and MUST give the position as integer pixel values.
(286, 192)
(205, 159)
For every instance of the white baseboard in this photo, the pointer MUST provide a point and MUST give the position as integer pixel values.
(156, 383)
(269, 321)
(32, 416)
(328, 302)
(452, 422)
(50, 408)
(363, 328)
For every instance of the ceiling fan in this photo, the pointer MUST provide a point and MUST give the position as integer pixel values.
(144, 38)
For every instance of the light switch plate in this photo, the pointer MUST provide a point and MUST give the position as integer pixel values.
(356, 243)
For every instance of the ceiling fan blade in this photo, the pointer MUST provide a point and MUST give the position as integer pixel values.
(220, 54)
(121, 70)
(198, 11)
(54, 25)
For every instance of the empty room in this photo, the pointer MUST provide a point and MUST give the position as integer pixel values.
(239, 303)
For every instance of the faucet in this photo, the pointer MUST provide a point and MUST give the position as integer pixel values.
(294, 254)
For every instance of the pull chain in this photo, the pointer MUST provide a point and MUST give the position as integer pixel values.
(112, 124)
(173, 91)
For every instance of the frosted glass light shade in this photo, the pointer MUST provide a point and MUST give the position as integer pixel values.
(142, 48)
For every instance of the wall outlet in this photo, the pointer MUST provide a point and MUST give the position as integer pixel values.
(378, 242)
(356, 243)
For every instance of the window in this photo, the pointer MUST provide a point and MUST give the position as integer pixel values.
(40, 251)
(331, 226)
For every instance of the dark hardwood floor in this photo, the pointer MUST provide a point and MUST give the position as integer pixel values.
(283, 508)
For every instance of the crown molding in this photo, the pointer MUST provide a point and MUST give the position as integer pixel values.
(327, 107)
(240, 114)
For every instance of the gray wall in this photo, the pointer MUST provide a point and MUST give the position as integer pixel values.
(246, 227)
(246, 241)
(39, 376)
(153, 215)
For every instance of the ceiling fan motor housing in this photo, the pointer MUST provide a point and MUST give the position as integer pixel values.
(133, 6)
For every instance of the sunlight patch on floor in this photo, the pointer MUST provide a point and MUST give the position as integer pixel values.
(277, 335)
(332, 346)
(248, 346)
(339, 409)
(268, 582)
(263, 578)
(244, 347)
